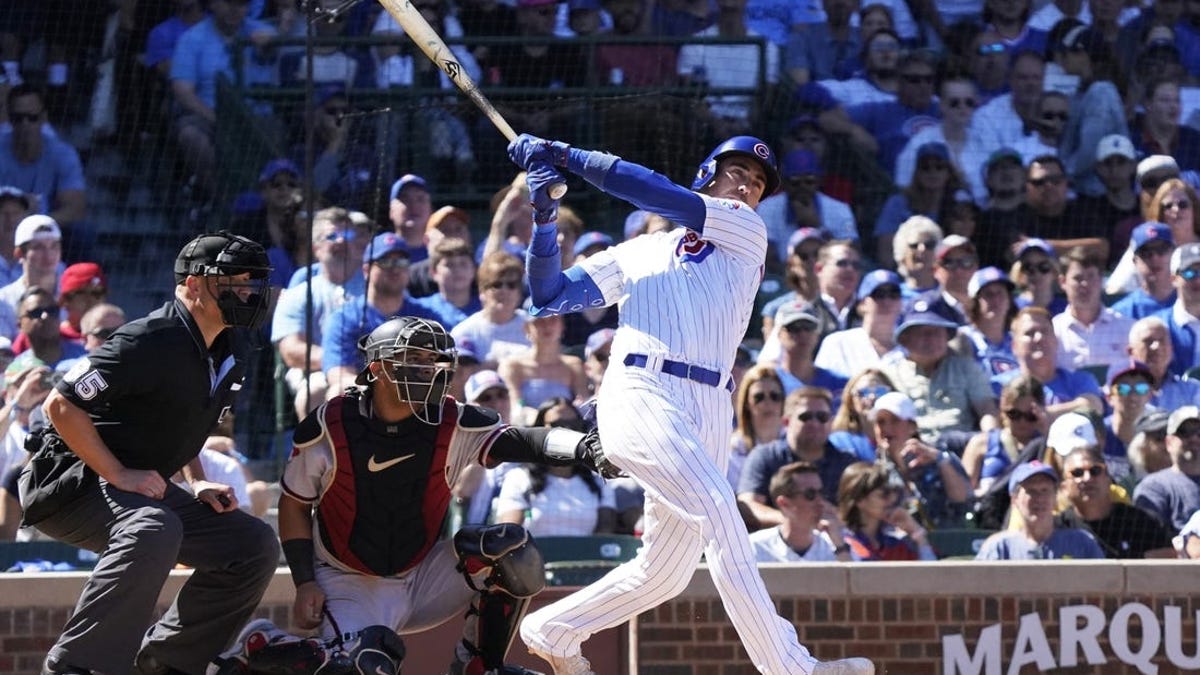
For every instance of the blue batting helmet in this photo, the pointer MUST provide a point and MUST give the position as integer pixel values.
(740, 145)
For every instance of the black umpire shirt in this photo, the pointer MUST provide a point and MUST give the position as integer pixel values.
(154, 391)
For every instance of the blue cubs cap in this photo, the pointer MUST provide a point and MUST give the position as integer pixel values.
(876, 278)
(935, 150)
(985, 276)
(924, 311)
(1028, 470)
(590, 239)
(746, 146)
(800, 162)
(382, 245)
(1151, 231)
(277, 166)
(405, 181)
(1035, 243)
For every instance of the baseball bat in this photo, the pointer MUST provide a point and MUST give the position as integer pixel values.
(425, 37)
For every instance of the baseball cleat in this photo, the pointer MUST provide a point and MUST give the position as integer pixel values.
(853, 666)
(565, 665)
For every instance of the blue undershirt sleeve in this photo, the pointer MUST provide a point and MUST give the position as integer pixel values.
(552, 290)
(645, 189)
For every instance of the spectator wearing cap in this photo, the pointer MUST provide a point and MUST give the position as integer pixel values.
(805, 132)
(807, 415)
(931, 194)
(914, 251)
(1000, 187)
(811, 530)
(849, 351)
(801, 205)
(1049, 213)
(796, 327)
(1181, 318)
(1001, 122)
(385, 265)
(958, 97)
(38, 245)
(497, 330)
(1172, 495)
(1128, 386)
(15, 205)
(1034, 488)
(1147, 451)
(1150, 343)
(1187, 542)
(951, 392)
(800, 276)
(923, 471)
(1158, 130)
(1035, 272)
(448, 222)
(989, 311)
(338, 242)
(1089, 334)
(1149, 258)
(1151, 173)
(957, 262)
(274, 221)
(409, 211)
(82, 287)
(1116, 210)
(484, 388)
(1036, 350)
(817, 52)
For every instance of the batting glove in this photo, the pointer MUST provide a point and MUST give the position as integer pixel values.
(539, 179)
(528, 150)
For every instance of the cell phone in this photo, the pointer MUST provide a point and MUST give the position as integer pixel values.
(224, 501)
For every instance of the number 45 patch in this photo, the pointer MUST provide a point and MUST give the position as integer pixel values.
(691, 248)
(88, 383)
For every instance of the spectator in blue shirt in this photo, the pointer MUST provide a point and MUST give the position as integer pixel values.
(1036, 348)
(1034, 488)
(893, 123)
(1150, 343)
(160, 43)
(1152, 247)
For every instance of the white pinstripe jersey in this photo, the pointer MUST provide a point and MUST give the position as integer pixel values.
(682, 296)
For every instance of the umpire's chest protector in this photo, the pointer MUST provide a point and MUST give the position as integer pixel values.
(383, 511)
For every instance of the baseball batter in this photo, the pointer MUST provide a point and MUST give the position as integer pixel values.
(685, 299)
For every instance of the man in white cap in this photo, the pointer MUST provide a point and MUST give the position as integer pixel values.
(38, 246)
(1152, 172)
(1173, 494)
(1034, 488)
(797, 330)
(1115, 163)
(1183, 318)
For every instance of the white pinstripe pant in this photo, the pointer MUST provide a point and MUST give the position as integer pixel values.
(671, 435)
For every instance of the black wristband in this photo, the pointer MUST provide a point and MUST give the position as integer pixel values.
(299, 554)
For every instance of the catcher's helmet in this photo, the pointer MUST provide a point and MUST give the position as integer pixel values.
(748, 146)
(225, 254)
(419, 358)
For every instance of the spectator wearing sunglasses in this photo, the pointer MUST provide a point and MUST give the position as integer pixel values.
(931, 481)
(800, 276)
(1150, 343)
(796, 328)
(37, 245)
(811, 530)
(878, 527)
(957, 260)
(497, 330)
(1145, 268)
(852, 429)
(1129, 386)
(1051, 214)
(1034, 535)
(959, 98)
(758, 410)
(807, 414)
(1172, 495)
(801, 204)
(990, 308)
(38, 322)
(847, 352)
(1023, 420)
(271, 215)
(1035, 272)
(1182, 319)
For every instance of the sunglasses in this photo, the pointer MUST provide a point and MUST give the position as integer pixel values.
(1190, 273)
(493, 395)
(1094, 471)
(338, 236)
(797, 327)
(41, 312)
(1153, 251)
(761, 396)
(821, 417)
(1015, 415)
(510, 285)
(958, 263)
(391, 263)
(1047, 180)
(1181, 204)
(809, 494)
(1051, 115)
(1043, 267)
(993, 48)
(806, 256)
(929, 244)
(24, 118)
(885, 294)
(1126, 389)
(602, 357)
(846, 263)
(872, 392)
(961, 102)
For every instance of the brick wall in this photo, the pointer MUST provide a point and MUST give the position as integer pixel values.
(895, 613)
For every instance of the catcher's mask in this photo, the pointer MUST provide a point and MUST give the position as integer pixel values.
(418, 357)
(224, 255)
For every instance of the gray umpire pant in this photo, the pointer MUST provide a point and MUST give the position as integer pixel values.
(233, 555)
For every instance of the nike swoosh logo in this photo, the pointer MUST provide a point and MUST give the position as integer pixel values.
(374, 466)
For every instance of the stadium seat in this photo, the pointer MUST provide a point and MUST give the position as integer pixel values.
(957, 542)
(1099, 372)
(578, 561)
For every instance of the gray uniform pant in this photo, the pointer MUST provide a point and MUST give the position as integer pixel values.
(233, 555)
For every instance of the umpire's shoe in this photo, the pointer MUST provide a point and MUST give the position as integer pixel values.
(854, 666)
(52, 668)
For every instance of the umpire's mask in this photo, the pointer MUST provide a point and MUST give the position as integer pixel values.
(419, 359)
(243, 302)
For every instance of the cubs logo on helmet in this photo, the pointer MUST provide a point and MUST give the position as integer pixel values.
(748, 146)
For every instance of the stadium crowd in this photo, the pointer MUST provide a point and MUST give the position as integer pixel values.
(979, 308)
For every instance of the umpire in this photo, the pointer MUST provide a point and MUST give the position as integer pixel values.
(121, 423)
